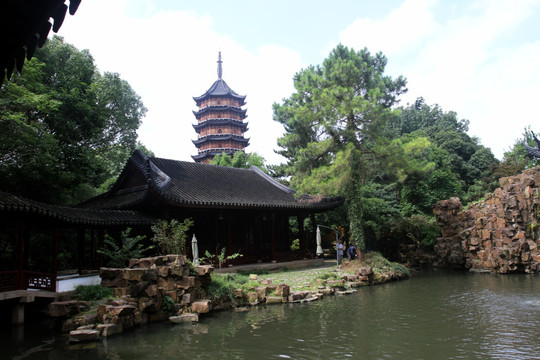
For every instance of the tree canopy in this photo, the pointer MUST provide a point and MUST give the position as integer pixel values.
(64, 127)
(240, 160)
(345, 135)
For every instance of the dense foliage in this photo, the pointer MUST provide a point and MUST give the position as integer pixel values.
(240, 160)
(345, 135)
(118, 253)
(170, 236)
(64, 127)
(93, 292)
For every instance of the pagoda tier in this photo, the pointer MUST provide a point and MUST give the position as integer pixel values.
(210, 123)
(219, 139)
(225, 111)
(220, 121)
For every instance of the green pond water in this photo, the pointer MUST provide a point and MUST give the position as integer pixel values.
(433, 315)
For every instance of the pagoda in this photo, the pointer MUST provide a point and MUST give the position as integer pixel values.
(220, 121)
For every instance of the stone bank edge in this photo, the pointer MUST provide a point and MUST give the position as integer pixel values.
(170, 288)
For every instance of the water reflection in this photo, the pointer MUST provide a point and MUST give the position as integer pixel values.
(431, 316)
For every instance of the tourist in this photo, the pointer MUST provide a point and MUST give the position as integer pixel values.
(351, 252)
(339, 251)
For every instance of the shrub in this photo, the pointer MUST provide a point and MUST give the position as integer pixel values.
(130, 247)
(170, 237)
(93, 292)
(380, 264)
(168, 305)
(220, 258)
(221, 286)
(419, 229)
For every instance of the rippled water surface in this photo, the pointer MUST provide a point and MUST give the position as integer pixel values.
(434, 315)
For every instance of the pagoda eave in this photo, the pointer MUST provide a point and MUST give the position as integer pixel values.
(211, 122)
(217, 138)
(200, 99)
(235, 109)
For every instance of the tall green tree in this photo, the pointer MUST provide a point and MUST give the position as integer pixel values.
(332, 122)
(64, 127)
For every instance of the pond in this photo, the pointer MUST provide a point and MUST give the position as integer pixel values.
(433, 315)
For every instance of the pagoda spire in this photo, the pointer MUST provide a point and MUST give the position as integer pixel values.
(219, 68)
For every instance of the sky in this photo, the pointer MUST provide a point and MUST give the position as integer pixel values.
(478, 58)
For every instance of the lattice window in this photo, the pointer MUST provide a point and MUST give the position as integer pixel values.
(40, 281)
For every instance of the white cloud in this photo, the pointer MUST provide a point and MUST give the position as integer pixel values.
(399, 32)
(458, 63)
(451, 57)
(169, 57)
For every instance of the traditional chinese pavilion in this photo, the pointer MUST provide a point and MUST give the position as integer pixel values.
(242, 210)
(220, 120)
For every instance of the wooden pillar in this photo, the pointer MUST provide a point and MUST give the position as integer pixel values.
(20, 252)
(101, 236)
(25, 255)
(80, 249)
(229, 234)
(55, 259)
(93, 247)
(301, 234)
(273, 225)
(313, 225)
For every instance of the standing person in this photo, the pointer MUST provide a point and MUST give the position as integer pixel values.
(339, 248)
(351, 252)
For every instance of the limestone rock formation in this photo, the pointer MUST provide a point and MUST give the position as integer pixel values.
(500, 234)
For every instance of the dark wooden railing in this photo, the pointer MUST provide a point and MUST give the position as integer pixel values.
(22, 280)
(9, 280)
(38, 280)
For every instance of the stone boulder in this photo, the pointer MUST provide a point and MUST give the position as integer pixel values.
(76, 336)
(202, 306)
(184, 318)
(67, 308)
(282, 290)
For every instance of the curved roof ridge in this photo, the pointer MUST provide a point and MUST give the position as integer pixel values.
(271, 180)
(75, 215)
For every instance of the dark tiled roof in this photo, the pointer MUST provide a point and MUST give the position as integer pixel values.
(222, 121)
(220, 89)
(16, 204)
(188, 184)
(221, 137)
(24, 25)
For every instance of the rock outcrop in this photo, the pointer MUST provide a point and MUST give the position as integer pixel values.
(500, 234)
(149, 290)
